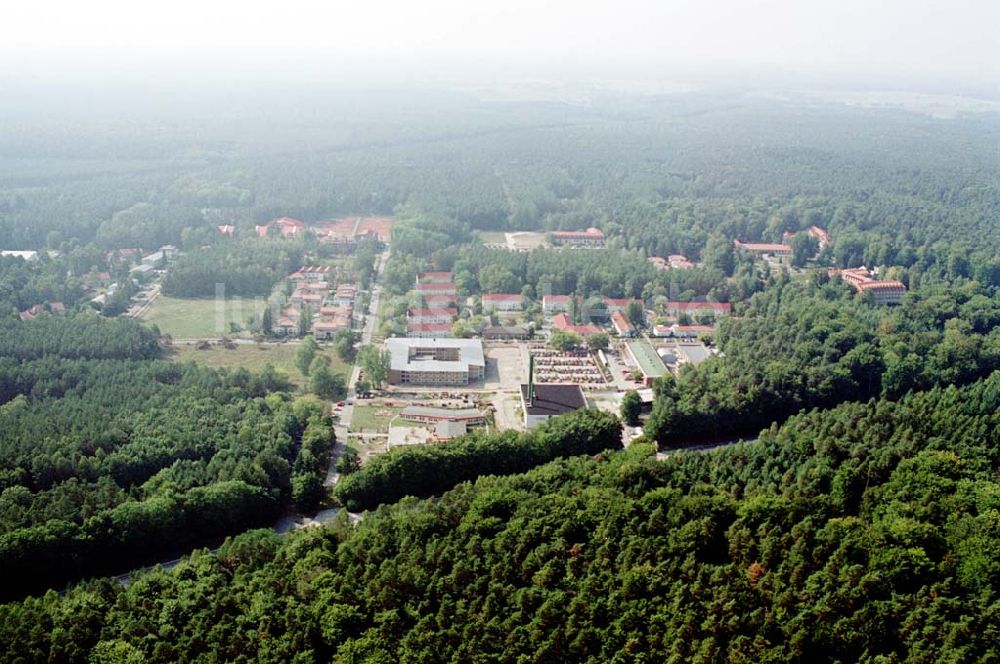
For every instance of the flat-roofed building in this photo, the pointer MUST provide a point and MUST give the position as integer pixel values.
(436, 361)
(647, 359)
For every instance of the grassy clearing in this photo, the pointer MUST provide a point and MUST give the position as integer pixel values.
(201, 318)
(492, 237)
(373, 419)
(254, 357)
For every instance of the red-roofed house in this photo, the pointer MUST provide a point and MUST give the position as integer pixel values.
(592, 237)
(288, 227)
(227, 229)
(883, 292)
(563, 322)
(622, 325)
(311, 273)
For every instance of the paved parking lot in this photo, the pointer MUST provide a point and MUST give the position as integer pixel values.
(506, 367)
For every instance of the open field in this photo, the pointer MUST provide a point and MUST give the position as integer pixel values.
(253, 357)
(185, 318)
(373, 418)
(492, 237)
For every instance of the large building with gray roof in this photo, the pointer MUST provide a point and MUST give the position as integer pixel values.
(435, 361)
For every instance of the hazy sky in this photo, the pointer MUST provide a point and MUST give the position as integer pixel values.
(851, 37)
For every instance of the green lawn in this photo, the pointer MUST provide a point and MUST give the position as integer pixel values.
(254, 357)
(373, 419)
(200, 318)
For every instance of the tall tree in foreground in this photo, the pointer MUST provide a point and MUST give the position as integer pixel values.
(631, 407)
(376, 363)
(305, 354)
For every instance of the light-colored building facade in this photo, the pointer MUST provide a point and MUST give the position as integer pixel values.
(416, 361)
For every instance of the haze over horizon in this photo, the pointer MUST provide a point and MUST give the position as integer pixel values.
(922, 45)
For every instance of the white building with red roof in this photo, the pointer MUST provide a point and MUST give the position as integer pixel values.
(288, 226)
(622, 325)
(883, 292)
(592, 237)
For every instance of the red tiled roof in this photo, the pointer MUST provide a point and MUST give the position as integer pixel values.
(621, 323)
(502, 297)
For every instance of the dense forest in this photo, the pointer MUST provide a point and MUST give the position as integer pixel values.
(244, 268)
(663, 176)
(860, 525)
(867, 532)
(815, 344)
(110, 457)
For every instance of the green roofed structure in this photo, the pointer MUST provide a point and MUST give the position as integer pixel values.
(646, 358)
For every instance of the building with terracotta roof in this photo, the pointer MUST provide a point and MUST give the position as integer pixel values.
(622, 325)
(564, 323)
(311, 273)
(882, 292)
(288, 226)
